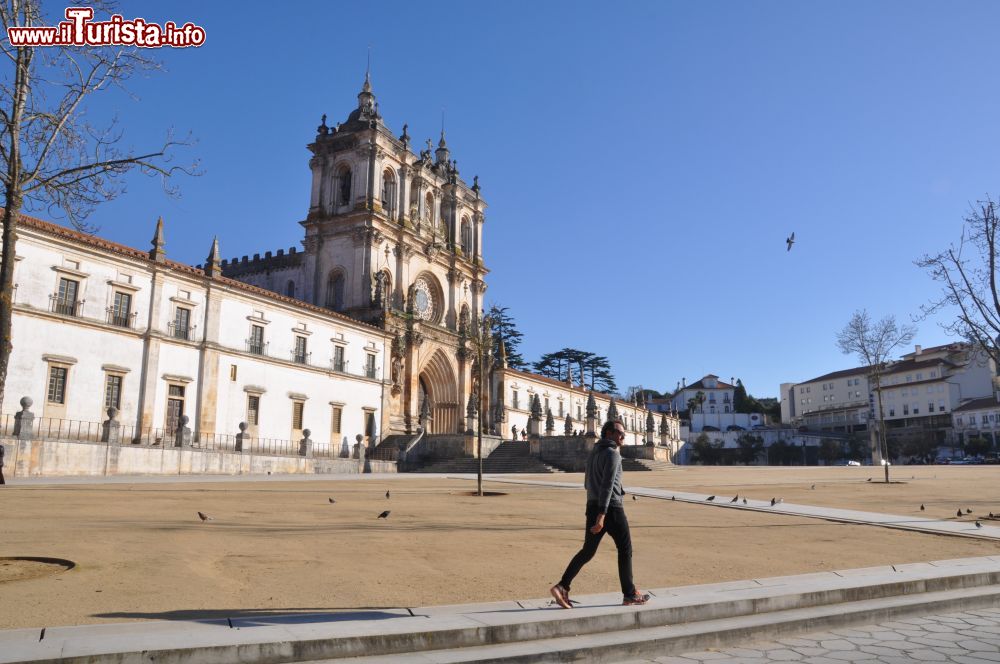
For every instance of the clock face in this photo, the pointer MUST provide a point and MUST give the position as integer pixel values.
(423, 300)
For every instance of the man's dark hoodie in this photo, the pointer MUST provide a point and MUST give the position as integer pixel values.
(603, 480)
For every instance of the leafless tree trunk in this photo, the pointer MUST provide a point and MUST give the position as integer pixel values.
(967, 273)
(52, 157)
(872, 343)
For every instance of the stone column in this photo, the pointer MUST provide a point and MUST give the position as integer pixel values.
(305, 445)
(591, 416)
(24, 421)
(111, 429)
(182, 437)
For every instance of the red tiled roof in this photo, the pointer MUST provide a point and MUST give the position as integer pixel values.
(977, 404)
(113, 247)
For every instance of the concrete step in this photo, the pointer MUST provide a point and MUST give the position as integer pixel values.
(664, 640)
(599, 629)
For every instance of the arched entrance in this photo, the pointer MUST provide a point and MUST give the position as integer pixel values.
(438, 381)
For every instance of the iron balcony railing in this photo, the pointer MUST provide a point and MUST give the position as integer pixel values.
(120, 318)
(299, 357)
(257, 347)
(340, 367)
(185, 332)
(66, 307)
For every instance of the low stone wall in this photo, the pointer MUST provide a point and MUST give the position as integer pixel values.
(567, 453)
(71, 458)
(651, 452)
(441, 447)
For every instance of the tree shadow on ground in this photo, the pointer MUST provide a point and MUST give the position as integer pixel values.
(237, 618)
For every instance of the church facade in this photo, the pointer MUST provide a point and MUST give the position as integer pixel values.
(365, 332)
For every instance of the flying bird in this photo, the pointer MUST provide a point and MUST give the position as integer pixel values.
(735, 498)
(383, 515)
(921, 507)
(204, 517)
(332, 501)
(790, 240)
(710, 498)
(387, 494)
(978, 525)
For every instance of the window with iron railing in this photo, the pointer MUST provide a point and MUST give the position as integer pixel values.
(120, 314)
(64, 301)
(181, 327)
(255, 344)
(299, 354)
(338, 359)
(370, 365)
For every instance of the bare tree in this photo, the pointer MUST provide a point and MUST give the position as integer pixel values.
(872, 343)
(51, 157)
(967, 273)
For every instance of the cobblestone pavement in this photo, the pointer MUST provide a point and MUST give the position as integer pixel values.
(969, 637)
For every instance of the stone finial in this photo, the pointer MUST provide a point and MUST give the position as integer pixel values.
(405, 136)
(442, 153)
(475, 184)
(241, 437)
(536, 408)
(550, 422)
(306, 444)
(470, 409)
(24, 421)
(213, 265)
(322, 129)
(612, 411)
(569, 374)
(650, 422)
(568, 427)
(502, 354)
(663, 424)
(591, 405)
(156, 252)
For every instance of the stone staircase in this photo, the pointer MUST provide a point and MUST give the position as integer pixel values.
(646, 464)
(509, 457)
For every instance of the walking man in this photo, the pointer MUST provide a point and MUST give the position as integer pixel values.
(2, 480)
(605, 513)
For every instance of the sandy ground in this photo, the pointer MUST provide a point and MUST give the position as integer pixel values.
(142, 553)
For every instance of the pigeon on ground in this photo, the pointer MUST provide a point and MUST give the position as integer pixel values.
(968, 511)
(332, 501)
(673, 497)
(204, 517)
(958, 513)
(735, 498)
(774, 501)
(634, 497)
(978, 525)
(383, 515)
(744, 500)
(868, 480)
(790, 240)
(813, 487)
(710, 498)
(387, 494)
(991, 515)
(921, 507)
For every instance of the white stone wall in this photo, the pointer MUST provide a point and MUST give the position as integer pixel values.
(89, 347)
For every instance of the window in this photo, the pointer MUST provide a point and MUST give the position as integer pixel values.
(388, 193)
(428, 208)
(175, 407)
(727, 409)
(578, 412)
(982, 418)
(514, 400)
(958, 421)
(892, 411)
(909, 378)
(113, 392)
(290, 288)
(338, 414)
(299, 354)
(253, 409)
(370, 365)
(940, 405)
(297, 409)
(369, 425)
(906, 409)
(916, 409)
(65, 300)
(560, 409)
(182, 323)
(335, 291)
(338, 358)
(57, 384)
(466, 236)
(933, 374)
(546, 405)
(232, 372)
(255, 344)
(344, 187)
(930, 406)
(121, 311)
(920, 376)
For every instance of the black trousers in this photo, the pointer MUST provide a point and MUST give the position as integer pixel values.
(616, 525)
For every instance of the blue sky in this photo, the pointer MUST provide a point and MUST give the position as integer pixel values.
(643, 161)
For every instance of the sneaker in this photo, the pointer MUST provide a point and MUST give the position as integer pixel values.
(638, 597)
(561, 596)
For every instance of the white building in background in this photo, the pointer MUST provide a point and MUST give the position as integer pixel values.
(919, 393)
(98, 325)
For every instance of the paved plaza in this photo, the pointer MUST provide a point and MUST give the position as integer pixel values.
(968, 637)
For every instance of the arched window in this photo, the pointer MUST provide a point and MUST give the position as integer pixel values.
(290, 288)
(343, 186)
(388, 192)
(335, 290)
(466, 236)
